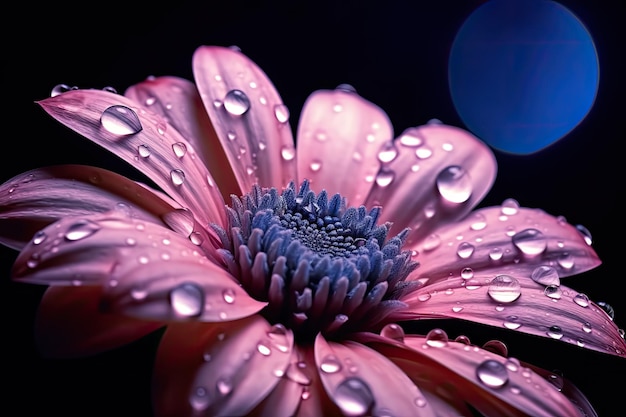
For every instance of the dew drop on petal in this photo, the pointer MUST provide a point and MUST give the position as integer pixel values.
(504, 289)
(553, 291)
(387, 152)
(581, 299)
(81, 229)
(200, 399)
(120, 120)
(263, 349)
(60, 89)
(512, 322)
(236, 102)
(607, 308)
(177, 176)
(187, 300)
(454, 184)
(144, 151)
(282, 113)
(509, 207)
(565, 260)
(436, 338)
(479, 222)
(492, 373)
(354, 397)
(288, 153)
(530, 242)
(224, 385)
(555, 332)
(180, 149)
(330, 364)
(586, 327)
(410, 139)
(496, 254)
(315, 165)
(586, 234)
(384, 177)
(393, 331)
(39, 237)
(465, 250)
(545, 275)
(432, 242)
(228, 295)
(467, 273)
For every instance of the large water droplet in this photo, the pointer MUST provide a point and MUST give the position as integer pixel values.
(354, 397)
(282, 113)
(546, 275)
(492, 373)
(555, 332)
(120, 120)
(393, 331)
(330, 364)
(553, 291)
(177, 176)
(180, 149)
(384, 177)
(586, 234)
(454, 184)
(504, 289)
(465, 250)
(530, 242)
(187, 299)
(144, 151)
(288, 153)
(39, 237)
(437, 338)
(509, 207)
(581, 299)
(81, 229)
(512, 322)
(387, 153)
(236, 102)
(607, 308)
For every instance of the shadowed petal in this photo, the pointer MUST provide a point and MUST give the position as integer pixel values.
(219, 369)
(69, 323)
(362, 382)
(440, 173)
(339, 138)
(561, 314)
(34, 199)
(492, 384)
(177, 101)
(248, 115)
(146, 142)
(490, 241)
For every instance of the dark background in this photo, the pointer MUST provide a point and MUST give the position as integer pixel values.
(393, 52)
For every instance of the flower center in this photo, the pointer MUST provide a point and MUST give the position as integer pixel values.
(319, 265)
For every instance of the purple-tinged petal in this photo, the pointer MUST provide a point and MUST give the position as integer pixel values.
(248, 115)
(69, 323)
(439, 174)
(219, 369)
(506, 240)
(339, 138)
(492, 384)
(34, 199)
(522, 305)
(177, 101)
(146, 142)
(363, 382)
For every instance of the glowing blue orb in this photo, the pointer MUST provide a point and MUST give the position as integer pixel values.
(522, 73)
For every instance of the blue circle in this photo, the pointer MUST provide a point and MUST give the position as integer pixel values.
(522, 73)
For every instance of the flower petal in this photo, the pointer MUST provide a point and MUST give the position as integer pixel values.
(362, 382)
(219, 369)
(506, 240)
(494, 385)
(69, 323)
(440, 173)
(177, 101)
(248, 115)
(146, 142)
(564, 314)
(36, 198)
(339, 137)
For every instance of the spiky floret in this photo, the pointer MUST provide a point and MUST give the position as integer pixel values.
(321, 266)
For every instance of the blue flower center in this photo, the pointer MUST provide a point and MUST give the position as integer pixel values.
(319, 265)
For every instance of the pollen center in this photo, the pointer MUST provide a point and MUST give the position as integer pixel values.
(319, 265)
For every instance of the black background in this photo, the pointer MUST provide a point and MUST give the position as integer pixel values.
(393, 52)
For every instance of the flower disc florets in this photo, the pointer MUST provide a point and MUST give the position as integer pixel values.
(319, 265)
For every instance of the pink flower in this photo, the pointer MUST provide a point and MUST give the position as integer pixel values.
(288, 302)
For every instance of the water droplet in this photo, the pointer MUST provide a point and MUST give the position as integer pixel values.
(187, 299)
(545, 275)
(504, 289)
(282, 113)
(607, 308)
(423, 152)
(315, 165)
(144, 151)
(410, 139)
(224, 385)
(60, 89)
(120, 120)
(263, 349)
(530, 242)
(177, 176)
(436, 338)
(432, 242)
(200, 399)
(347, 88)
(496, 254)
(565, 261)
(555, 332)
(479, 222)
(472, 284)
(587, 327)
(330, 364)
(393, 331)
(424, 297)
(465, 250)
(512, 322)
(467, 273)
(387, 152)
(278, 335)
(492, 373)
(196, 238)
(180, 149)
(228, 295)
(586, 234)
(581, 299)
(39, 237)
(509, 207)
(354, 397)
(384, 177)
(288, 153)
(81, 229)
(454, 184)
(553, 291)
(236, 102)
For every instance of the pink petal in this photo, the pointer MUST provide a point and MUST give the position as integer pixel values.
(34, 199)
(440, 173)
(489, 241)
(362, 382)
(459, 366)
(69, 323)
(564, 314)
(339, 137)
(152, 150)
(219, 369)
(177, 101)
(248, 116)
